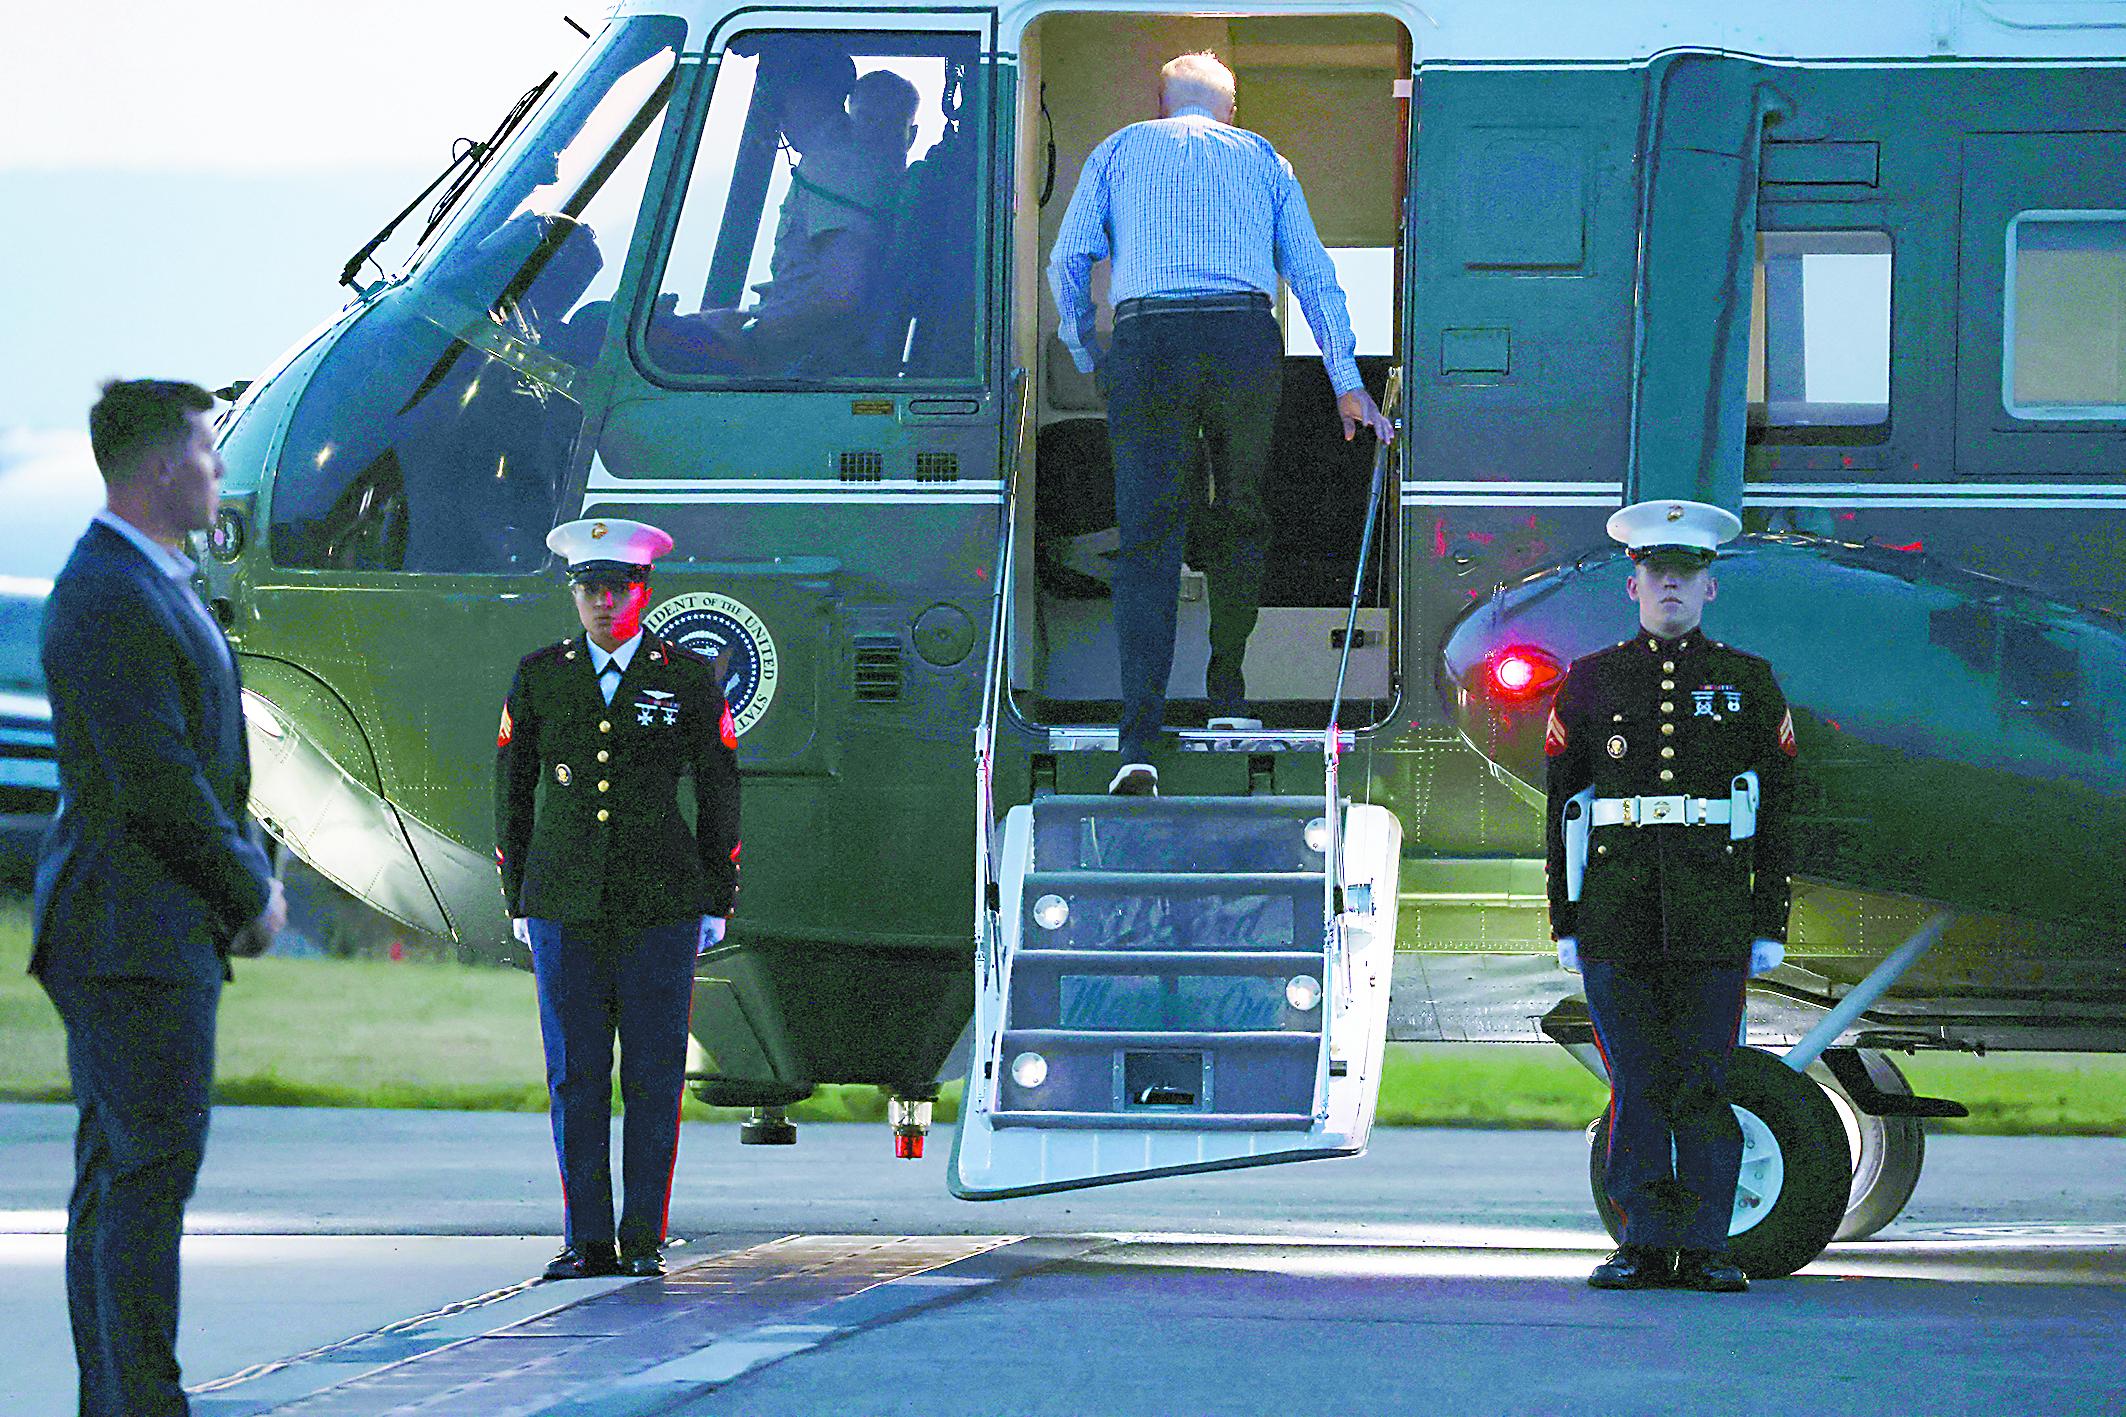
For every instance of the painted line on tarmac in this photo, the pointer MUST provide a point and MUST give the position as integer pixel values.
(636, 1347)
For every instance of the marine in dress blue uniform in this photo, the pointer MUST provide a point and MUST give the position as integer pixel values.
(609, 887)
(1670, 764)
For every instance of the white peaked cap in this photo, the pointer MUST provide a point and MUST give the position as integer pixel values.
(1646, 527)
(593, 544)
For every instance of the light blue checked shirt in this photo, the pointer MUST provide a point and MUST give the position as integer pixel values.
(1186, 205)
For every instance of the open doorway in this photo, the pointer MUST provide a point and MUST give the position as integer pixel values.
(1330, 93)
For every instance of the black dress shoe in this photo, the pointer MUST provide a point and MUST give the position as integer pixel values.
(590, 1260)
(1633, 1267)
(641, 1264)
(1712, 1271)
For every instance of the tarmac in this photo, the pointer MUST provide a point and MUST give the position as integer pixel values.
(381, 1262)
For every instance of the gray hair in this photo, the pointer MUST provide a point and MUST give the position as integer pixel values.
(1200, 80)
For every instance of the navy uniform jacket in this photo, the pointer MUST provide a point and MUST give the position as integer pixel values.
(150, 868)
(1659, 718)
(587, 822)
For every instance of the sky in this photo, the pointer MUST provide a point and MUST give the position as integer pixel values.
(180, 184)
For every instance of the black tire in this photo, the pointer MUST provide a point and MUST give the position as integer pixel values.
(1807, 1204)
(1888, 1152)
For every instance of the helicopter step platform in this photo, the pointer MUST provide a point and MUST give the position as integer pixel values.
(1176, 984)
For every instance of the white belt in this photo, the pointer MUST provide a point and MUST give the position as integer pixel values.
(1661, 811)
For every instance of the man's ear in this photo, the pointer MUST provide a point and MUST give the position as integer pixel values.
(1712, 588)
(1631, 586)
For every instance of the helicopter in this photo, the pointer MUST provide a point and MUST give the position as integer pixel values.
(1854, 275)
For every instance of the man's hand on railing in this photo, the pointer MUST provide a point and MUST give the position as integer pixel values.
(1357, 408)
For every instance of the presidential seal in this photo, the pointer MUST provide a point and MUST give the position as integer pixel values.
(730, 636)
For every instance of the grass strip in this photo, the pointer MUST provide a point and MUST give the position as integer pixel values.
(373, 1033)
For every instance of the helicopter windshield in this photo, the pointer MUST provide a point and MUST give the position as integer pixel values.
(436, 434)
(541, 251)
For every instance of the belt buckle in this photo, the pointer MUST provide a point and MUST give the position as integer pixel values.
(1659, 811)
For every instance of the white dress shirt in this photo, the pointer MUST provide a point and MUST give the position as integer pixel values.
(609, 684)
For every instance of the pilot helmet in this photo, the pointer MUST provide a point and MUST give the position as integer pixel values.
(608, 551)
(1685, 535)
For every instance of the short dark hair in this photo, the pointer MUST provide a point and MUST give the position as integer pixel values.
(137, 414)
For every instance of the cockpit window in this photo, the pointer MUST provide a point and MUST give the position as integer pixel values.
(831, 230)
(437, 432)
(540, 253)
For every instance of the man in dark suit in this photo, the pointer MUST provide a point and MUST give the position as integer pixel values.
(609, 887)
(148, 880)
(1670, 773)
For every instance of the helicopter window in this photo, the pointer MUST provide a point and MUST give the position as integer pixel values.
(540, 255)
(2065, 354)
(830, 232)
(1820, 337)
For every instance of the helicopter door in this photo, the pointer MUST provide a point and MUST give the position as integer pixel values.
(1174, 985)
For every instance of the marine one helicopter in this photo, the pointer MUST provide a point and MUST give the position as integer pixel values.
(1856, 272)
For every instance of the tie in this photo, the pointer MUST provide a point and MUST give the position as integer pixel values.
(609, 680)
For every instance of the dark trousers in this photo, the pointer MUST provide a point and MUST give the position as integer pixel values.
(595, 983)
(1666, 1033)
(1188, 390)
(140, 1054)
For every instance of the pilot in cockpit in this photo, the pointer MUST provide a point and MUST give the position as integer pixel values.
(851, 137)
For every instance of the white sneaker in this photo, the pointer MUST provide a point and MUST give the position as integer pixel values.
(1135, 780)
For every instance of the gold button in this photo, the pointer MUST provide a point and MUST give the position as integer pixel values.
(604, 785)
(1666, 752)
(1668, 706)
(603, 755)
(1601, 851)
(1667, 776)
(1665, 728)
(1668, 666)
(603, 814)
(1668, 683)
(605, 725)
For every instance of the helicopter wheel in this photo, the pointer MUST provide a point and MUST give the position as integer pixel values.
(1791, 1194)
(1887, 1152)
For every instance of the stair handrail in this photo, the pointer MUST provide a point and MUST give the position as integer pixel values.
(988, 902)
(1332, 890)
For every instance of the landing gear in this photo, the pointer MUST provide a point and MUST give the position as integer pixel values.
(768, 1126)
(1887, 1152)
(1791, 1197)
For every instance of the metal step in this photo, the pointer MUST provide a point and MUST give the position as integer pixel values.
(1157, 1038)
(1160, 1121)
(1179, 833)
(1152, 910)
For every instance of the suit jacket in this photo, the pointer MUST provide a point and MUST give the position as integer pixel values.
(150, 868)
(1661, 718)
(587, 821)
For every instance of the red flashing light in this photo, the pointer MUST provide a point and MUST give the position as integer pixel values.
(907, 1144)
(1521, 672)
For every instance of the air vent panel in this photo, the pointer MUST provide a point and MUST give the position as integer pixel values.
(878, 669)
(937, 467)
(868, 465)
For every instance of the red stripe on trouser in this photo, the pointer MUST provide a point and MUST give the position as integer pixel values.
(664, 1216)
(1609, 1141)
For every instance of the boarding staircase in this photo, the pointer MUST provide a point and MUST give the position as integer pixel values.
(1172, 984)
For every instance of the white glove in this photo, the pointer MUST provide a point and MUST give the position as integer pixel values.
(711, 933)
(1766, 955)
(521, 928)
(1569, 953)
